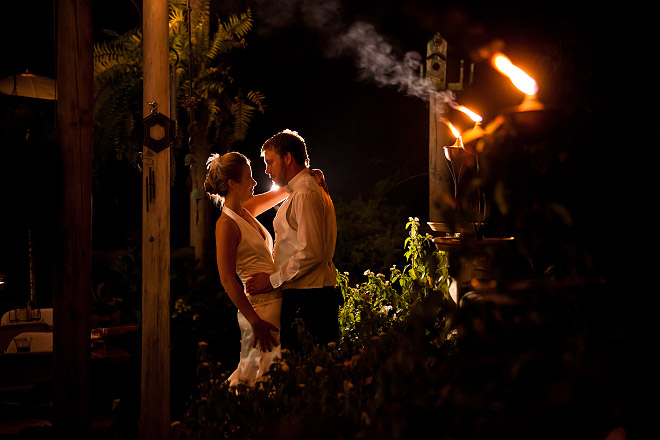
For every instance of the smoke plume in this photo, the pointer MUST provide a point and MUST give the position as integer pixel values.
(375, 58)
(376, 61)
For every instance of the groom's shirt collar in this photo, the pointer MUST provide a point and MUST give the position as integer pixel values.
(296, 181)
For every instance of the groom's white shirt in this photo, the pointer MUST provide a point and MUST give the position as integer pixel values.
(305, 236)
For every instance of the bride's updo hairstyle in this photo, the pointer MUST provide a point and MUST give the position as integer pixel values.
(220, 169)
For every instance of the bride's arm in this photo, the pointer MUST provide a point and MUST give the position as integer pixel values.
(263, 202)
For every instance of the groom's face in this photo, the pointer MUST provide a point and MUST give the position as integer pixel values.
(276, 167)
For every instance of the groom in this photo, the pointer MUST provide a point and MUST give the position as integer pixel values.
(305, 236)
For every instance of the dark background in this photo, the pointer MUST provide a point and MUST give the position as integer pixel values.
(314, 83)
(361, 129)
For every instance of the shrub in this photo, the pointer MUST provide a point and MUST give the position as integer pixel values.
(374, 305)
(394, 332)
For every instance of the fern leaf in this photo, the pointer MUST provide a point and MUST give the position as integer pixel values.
(258, 99)
(239, 25)
(242, 114)
(230, 35)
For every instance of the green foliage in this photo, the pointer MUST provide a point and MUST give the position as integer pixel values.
(329, 391)
(373, 306)
(202, 77)
(117, 109)
(366, 227)
(522, 365)
(203, 74)
(389, 330)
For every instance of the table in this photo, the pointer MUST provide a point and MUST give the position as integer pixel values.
(9, 331)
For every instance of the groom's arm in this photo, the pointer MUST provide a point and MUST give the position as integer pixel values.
(258, 283)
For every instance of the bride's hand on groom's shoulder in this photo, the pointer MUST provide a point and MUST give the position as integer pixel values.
(320, 178)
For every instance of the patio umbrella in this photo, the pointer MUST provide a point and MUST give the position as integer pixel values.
(29, 85)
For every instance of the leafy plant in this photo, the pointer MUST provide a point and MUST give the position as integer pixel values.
(117, 112)
(338, 390)
(203, 81)
(517, 366)
(367, 227)
(372, 306)
(206, 83)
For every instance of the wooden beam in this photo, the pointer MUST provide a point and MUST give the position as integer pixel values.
(155, 389)
(440, 183)
(73, 235)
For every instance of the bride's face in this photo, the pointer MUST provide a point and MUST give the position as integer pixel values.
(245, 187)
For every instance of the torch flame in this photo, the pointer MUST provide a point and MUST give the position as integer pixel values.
(519, 78)
(459, 141)
(453, 129)
(475, 117)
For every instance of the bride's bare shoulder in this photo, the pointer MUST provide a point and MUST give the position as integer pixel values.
(226, 225)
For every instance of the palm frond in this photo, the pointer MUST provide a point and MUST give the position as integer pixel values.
(215, 96)
(177, 21)
(230, 35)
(258, 99)
(242, 114)
(201, 10)
(239, 25)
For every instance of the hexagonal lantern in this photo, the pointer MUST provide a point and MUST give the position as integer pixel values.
(159, 132)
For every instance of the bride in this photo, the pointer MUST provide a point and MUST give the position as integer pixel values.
(245, 247)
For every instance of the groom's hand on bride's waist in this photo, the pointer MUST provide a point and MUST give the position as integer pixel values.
(258, 283)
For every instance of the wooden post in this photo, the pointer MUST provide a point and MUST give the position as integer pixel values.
(155, 373)
(73, 236)
(440, 183)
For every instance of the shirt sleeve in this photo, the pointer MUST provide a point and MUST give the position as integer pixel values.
(306, 216)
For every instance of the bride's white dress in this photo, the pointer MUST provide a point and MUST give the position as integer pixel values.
(255, 254)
